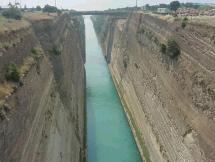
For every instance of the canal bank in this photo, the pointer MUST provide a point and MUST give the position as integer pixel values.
(109, 137)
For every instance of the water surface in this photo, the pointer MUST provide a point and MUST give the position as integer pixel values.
(109, 137)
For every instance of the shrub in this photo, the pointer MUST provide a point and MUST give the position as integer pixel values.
(33, 51)
(6, 46)
(12, 73)
(13, 13)
(125, 64)
(176, 19)
(141, 30)
(183, 24)
(173, 49)
(155, 39)
(56, 51)
(163, 48)
(213, 39)
(35, 54)
(185, 19)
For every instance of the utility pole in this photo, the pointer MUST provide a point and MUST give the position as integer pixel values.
(136, 4)
(55, 3)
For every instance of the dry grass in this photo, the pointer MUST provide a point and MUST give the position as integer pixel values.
(205, 20)
(11, 24)
(6, 89)
(39, 16)
(27, 64)
(30, 60)
(1, 103)
(168, 18)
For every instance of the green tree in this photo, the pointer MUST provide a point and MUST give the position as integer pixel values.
(13, 12)
(147, 7)
(38, 8)
(174, 5)
(162, 5)
(50, 9)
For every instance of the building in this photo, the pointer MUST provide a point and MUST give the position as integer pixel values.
(211, 12)
(163, 11)
(187, 12)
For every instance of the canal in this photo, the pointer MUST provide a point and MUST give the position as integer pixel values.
(109, 138)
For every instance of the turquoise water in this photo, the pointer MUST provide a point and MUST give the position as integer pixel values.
(109, 137)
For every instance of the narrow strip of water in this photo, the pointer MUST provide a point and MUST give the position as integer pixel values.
(109, 137)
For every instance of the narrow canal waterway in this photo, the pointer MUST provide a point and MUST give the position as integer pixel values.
(109, 137)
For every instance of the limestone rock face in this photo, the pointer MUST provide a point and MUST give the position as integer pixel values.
(170, 102)
(45, 116)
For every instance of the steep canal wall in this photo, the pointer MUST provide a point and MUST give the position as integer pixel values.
(42, 115)
(169, 98)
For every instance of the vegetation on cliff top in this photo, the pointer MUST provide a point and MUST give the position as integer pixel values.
(13, 12)
(174, 5)
(50, 9)
(12, 25)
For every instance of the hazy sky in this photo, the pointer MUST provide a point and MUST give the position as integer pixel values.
(94, 4)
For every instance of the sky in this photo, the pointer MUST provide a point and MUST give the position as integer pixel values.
(94, 4)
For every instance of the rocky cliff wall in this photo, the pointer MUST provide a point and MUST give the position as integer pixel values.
(43, 115)
(169, 101)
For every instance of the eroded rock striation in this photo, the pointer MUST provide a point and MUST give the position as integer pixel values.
(169, 97)
(43, 114)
